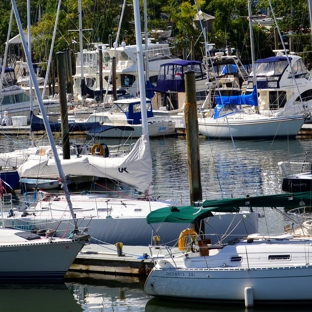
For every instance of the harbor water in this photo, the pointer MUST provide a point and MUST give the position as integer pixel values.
(227, 170)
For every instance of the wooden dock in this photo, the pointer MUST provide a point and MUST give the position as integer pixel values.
(305, 131)
(107, 259)
(25, 130)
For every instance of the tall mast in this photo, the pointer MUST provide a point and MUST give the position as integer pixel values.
(252, 45)
(138, 36)
(81, 46)
(44, 114)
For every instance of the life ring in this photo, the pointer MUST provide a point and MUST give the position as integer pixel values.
(186, 234)
(97, 147)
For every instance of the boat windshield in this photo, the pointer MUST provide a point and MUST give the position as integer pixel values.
(125, 107)
(270, 68)
(15, 98)
(157, 52)
(222, 111)
(122, 56)
(119, 108)
(298, 69)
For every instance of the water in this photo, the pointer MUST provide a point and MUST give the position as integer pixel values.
(111, 295)
(248, 167)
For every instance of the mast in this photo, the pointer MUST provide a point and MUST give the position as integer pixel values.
(252, 45)
(44, 115)
(5, 57)
(51, 49)
(29, 50)
(82, 81)
(310, 15)
(138, 36)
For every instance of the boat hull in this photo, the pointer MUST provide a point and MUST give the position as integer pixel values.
(297, 183)
(44, 184)
(155, 129)
(268, 284)
(239, 128)
(10, 177)
(129, 227)
(47, 260)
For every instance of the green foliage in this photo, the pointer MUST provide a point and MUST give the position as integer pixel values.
(230, 26)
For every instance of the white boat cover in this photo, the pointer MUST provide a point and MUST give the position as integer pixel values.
(134, 169)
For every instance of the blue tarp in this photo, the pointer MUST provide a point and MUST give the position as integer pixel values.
(248, 99)
(229, 69)
(7, 70)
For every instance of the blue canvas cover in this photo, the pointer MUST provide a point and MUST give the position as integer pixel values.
(245, 99)
(273, 59)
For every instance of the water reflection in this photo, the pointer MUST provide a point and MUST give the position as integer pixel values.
(99, 292)
(31, 297)
(227, 169)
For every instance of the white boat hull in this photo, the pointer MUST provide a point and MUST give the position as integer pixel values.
(242, 128)
(43, 184)
(39, 259)
(268, 284)
(271, 268)
(112, 220)
(155, 129)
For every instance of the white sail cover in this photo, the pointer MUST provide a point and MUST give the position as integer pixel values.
(134, 169)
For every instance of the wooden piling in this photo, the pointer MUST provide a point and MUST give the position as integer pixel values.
(63, 104)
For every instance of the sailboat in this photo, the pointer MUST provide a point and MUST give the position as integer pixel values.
(258, 268)
(27, 256)
(112, 220)
(248, 116)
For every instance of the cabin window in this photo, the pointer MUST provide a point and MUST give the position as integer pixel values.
(7, 100)
(201, 96)
(106, 57)
(236, 259)
(279, 257)
(277, 99)
(305, 96)
(123, 56)
(90, 82)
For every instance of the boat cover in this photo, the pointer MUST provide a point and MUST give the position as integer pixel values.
(184, 214)
(285, 200)
(226, 100)
(134, 169)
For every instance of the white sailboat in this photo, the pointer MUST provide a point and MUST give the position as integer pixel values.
(258, 268)
(27, 256)
(253, 115)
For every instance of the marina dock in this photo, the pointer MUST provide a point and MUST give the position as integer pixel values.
(108, 259)
(25, 130)
(304, 133)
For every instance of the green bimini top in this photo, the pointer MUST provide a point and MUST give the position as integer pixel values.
(189, 214)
